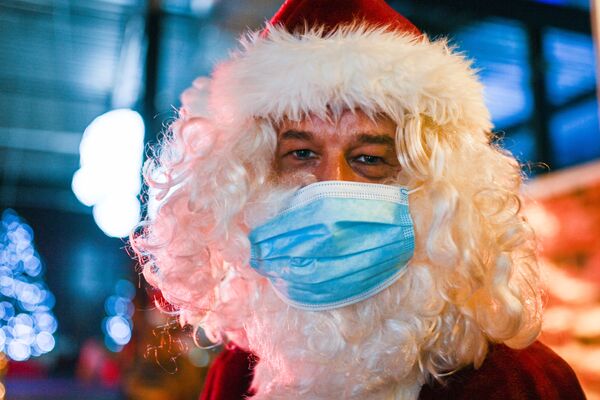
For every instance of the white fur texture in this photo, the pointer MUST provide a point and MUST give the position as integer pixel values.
(353, 67)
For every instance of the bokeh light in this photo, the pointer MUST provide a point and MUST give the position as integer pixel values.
(118, 325)
(27, 323)
(199, 357)
(201, 6)
(111, 153)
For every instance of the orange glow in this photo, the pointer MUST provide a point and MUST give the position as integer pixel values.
(566, 219)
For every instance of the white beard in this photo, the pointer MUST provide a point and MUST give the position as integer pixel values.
(370, 350)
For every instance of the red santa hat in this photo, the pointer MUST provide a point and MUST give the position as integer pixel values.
(318, 55)
(332, 13)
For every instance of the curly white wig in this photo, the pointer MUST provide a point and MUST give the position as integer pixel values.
(473, 279)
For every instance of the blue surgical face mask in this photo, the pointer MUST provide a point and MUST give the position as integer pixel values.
(336, 243)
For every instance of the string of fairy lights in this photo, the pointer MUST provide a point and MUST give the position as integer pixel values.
(27, 323)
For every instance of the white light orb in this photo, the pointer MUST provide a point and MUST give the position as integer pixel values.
(45, 341)
(119, 330)
(118, 215)
(111, 153)
(18, 350)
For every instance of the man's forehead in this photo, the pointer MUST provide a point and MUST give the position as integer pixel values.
(355, 123)
(386, 138)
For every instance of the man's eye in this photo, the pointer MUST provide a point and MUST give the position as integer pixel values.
(369, 160)
(303, 154)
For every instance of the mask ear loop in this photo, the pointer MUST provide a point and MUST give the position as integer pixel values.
(418, 188)
(200, 339)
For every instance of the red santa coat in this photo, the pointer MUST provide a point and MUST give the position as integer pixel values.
(534, 373)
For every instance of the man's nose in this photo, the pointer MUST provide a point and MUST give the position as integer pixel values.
(335, 168)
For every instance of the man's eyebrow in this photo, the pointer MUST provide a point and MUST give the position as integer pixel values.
(376, 139)
(292, 134)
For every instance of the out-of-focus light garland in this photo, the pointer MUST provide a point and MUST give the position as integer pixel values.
(27, 324)
(117, 325)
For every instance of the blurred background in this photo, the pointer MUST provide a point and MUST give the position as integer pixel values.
(87, 85)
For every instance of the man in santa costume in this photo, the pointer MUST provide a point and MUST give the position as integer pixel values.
(333, 209)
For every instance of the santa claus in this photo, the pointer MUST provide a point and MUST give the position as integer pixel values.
(334, 210)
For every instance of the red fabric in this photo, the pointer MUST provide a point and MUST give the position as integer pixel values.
(534, 373)
(507, 374)
(229, 376)
(294, 14)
